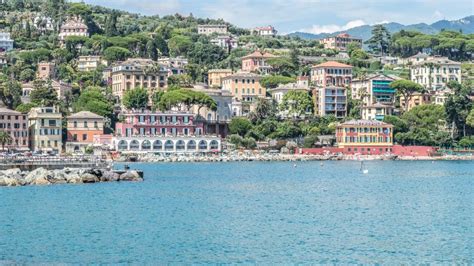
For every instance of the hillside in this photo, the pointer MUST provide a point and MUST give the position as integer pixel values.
(466, 25)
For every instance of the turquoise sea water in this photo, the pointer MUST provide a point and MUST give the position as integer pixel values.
(411, 212)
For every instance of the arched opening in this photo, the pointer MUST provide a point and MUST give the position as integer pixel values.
(191, 145)
(214, 145)
(209, 116)
(122, 145)
(202, 145)
(169, 145)
(180, 145)
(134, 145)
(76, 148)
(146, 145)
(157, 145)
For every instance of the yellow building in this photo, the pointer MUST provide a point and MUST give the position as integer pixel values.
(362, 136)
(215, 76)
(244, 86)
(138, 72)
(415, 100)
(45, 126)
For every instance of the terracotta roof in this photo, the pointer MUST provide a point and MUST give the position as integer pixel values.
(85, 114)
(9, 111)
(219, 70)
(259, 54)
(242, 75)
(332, 64)
(365, 123)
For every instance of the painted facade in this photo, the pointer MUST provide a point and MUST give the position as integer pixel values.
(16, 125)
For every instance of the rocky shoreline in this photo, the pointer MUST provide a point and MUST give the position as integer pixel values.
(150, 158)
(42, 176)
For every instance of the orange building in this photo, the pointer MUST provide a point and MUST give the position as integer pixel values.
(244, 86)
(257, 62)
(364, 137)
(215, 76)
(81, 129)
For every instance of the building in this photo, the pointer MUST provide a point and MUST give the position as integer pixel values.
(210, 29)
(376, 111)
(170, 132)
(6, 43)
(364, 137)
(45, 129)
(265, 31)
(340, 42)
(419, 58)
(74, 26)
(244, 86)
(90, 62)
(226, 42)
(435, 73)
(176, 65)
(62, 89)
(378, 98)
(138, 72)
(16, 125)
(257, 62)
(3, 60)
(216, 121)
(81, 129)
(215, 76)
(441, 96)
(301, 84)
(415, 100)
(330, 95)
(46, 70)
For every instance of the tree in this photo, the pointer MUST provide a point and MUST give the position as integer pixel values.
(5, 138)
(458, 107)
(25, 107)
(152, 50)
(240, 126)
(297, 103)
(179, 45)
(274, 81)
(111, 25)
(136, 98)
(10, 92)
(115, 53)
(43, 93)
(380, 40)
(282, 65)
(406, 89)
(27, 74)
(181, 80)
(92, 99)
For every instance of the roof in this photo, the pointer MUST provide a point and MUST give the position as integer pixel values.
(440, 61)
(242, 75)
(259, 54)
(373, 76)
(365, 123)
(219, 70)
(379, 105)
(332, 64)
(9, 111)
(265, 28)
(420, 55)
(85, 114)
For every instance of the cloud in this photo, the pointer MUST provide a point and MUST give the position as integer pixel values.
(437, 15)
(330, 28)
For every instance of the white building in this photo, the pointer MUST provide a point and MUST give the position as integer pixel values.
(6, 43)
(75, 26)
(302, 84)
(225, 42)
(176, 65)
(167, 144)
(435, 73)
(210, 29)
(265, 31)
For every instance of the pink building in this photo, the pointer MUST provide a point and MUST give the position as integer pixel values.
(257, 62)
(16, 124)
(146, 123)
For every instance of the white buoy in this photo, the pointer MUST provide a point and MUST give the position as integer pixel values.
(365, 171)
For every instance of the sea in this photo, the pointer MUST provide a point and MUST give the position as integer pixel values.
(331, 212)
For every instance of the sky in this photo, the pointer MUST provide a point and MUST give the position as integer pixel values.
(314, 16)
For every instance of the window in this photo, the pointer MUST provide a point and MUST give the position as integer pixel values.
(84, 136)
(74, 137)
(75, 123)
(85, 124)
(95, 124)
(52, 123)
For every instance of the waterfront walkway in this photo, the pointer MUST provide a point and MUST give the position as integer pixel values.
(51, 162)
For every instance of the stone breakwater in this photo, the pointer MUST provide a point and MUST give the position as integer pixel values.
(41, 176)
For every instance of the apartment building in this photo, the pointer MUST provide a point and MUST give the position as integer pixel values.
(365, 137)
(340, 42)
(257, 62)
(210, 29)
(268, 31)
(215, 76)
(244, 86)
(330, 95)
(435, 73)
(45, 129)
(16, 125)
(176, 65)
(90, 62)
(74, 26)
(81, 129)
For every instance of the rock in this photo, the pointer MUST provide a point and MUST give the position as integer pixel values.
(39, 173)
(109, 176)
(73, 178)
(40, 181)
(89, 178)
(130, 176)
(13, 171)
(57, 177)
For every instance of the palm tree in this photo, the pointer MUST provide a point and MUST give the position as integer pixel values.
(5, 138)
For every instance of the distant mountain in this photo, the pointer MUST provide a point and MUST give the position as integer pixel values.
(466, 25)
